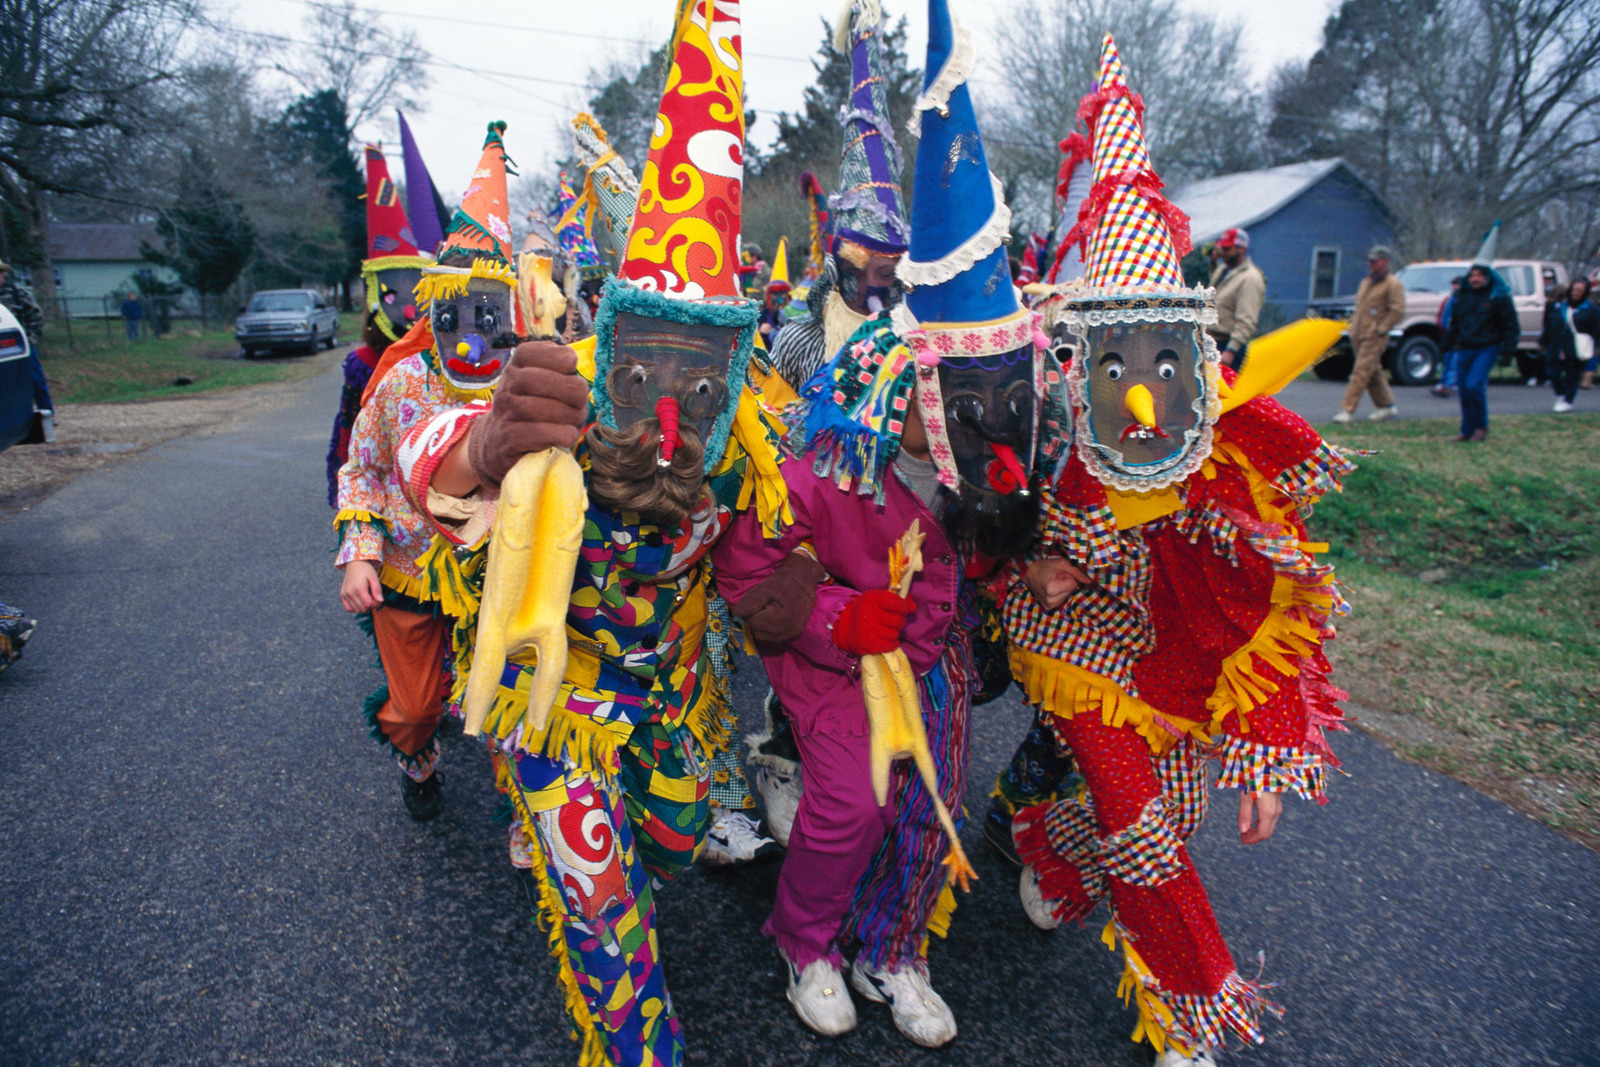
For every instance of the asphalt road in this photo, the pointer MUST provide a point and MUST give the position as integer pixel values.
(1319, 401)
(203, 858)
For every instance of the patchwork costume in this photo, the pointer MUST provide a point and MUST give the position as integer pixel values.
(609, 786)
(440, 362)
(1200, 633)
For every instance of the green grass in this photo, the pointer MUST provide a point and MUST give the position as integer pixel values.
(100, 371)
(1499, 648)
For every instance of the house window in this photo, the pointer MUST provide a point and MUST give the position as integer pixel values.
(1324, 273)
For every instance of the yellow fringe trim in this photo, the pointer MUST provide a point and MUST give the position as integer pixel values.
(445, 283)
(1064, 690)
(762, 480)
(943, 910)
(357, 515)
(1284, 636)
(578, 738)
(1155, 1018)
(411, 585)
(552, 910)
(446, 582)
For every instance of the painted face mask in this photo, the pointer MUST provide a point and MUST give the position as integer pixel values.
(990, 416)
(854, 288)
(389, 291)
(1144, 398)
(655, 359)
(689, 355)
(474, 333)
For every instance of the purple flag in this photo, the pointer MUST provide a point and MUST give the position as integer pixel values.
(424, 206)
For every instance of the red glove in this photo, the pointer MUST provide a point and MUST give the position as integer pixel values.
(872, 622)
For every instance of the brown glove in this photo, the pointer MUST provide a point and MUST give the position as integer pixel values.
(542, 402)
(775, 611)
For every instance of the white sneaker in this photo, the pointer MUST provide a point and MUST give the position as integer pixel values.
(1533, 383)
(1379, 414)
(1039, 911)
(780, 792)
(820, 998)
(1562, 406)
(1200, 1057)
(735, 838)
(1345, 416)
(919, 1013)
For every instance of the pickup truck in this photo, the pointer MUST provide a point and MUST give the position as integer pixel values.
(286, 318)
(1413, 354)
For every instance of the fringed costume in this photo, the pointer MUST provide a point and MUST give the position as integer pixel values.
(1199, 633)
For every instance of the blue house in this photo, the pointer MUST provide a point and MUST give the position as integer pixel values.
(1310, 227)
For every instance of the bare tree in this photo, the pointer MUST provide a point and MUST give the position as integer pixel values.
(352, 52)
(1201, 115)
(78, 86)
(1459, 113)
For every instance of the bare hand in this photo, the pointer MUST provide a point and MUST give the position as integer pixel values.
(1261, 810)
(360, 591)
(1051, 581)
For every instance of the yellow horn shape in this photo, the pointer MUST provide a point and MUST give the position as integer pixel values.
(1141, 405)
(527, 583)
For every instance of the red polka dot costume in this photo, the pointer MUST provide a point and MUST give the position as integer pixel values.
(1199, 634)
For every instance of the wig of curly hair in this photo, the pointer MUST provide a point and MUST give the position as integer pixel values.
(624, 474)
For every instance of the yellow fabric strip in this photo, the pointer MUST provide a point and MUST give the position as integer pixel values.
(1064, 690)
(412, 585)
(356, 515)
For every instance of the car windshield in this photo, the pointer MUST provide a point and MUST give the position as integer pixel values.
(1429, 278)
(280, 302)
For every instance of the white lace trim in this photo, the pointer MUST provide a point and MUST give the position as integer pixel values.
(955, 72)
(990, 236)
(1106, 464)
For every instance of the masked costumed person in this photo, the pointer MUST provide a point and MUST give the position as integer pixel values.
(1175, 610)
(927, 417)
(603, 722)
(391, 271)
(868, 212)
(452, 354)
(777, 296)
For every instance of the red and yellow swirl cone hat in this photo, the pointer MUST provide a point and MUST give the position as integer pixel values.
(684, 239)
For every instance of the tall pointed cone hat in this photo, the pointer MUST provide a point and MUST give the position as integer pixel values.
(388, 229)
(957, 271)
(685, 234)
(1131, 237)
(780, 267)
(869, 208)
(424, 206)
(481, 228)
(572, 220)
(1490, 248)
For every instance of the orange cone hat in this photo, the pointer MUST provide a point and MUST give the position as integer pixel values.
(481, 226)
(684, 239)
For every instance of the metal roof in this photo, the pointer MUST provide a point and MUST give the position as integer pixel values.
(1249, 197)
(78, 242)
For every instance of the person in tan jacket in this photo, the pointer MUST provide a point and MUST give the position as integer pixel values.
(1380, 305)
(1241, 290)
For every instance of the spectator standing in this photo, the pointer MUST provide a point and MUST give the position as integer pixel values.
(1447, 359)
(1483, 326)
(132, 315)
(1380, 305)
(1585, 319)
(1559, 343)
(19, 299)
(1241, 290)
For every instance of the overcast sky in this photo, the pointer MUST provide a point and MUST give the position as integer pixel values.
(535, 56)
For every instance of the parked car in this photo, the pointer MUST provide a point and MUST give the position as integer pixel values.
(1413, 354)
(277, 319)
(16, 381)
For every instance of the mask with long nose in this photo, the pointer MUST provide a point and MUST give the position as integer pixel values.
(1144, 393)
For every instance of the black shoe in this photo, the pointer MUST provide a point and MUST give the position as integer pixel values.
(997, 833)
(424, 799)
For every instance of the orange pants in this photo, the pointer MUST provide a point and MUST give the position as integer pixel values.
(412, 647)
